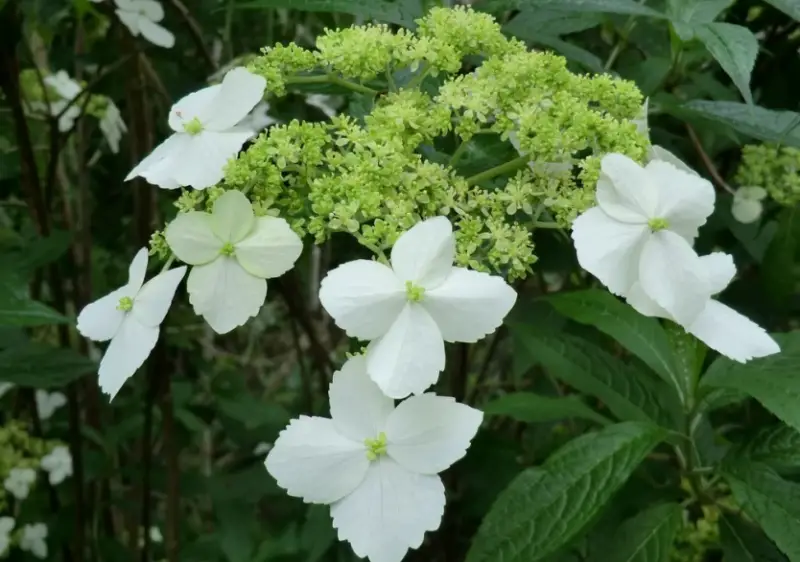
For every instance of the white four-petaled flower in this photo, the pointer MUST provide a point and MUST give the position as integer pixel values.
(47, 403)
(19, 482)
(233, 253)
(130, 317)
(208, 131)
(57, 464)
(112, 126)
(6, 526)
(142, 17)
(410, 309)
(374, 463)
(747, 206)
(642, 230)
(33, 539)
(67, 89)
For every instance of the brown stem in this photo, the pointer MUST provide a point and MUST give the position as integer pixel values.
(707, 162)
(195, 31)
(173, 472)
(460, 372)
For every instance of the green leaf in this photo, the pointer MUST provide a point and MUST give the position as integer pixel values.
(648, 536)
(401, 12)
(21, 311)
(642, 336)
(529, 23)
(318, 533)
(735, 48)
(252, 412)
(770, 501)
(774, 381)
(628, 392)
(42, 366)
(782, 127)
(572, 52)
(778, 267)
(534, 408)
(546, 507)
(743, 542)
(778, 447)
(629, 7)
(789, 7)
(696, 11)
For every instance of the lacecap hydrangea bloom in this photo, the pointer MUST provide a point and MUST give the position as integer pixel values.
(374, 463)
(774, 168)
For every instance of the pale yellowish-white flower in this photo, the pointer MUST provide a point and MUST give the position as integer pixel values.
(6, 526)
(48, 402)
(57, 464)
(747, 204)
(142, 17)
(33, 539)
(112, 126)
(19, 482)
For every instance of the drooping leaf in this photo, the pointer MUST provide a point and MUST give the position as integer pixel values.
(629, 7)
(39, 365)
(642, 336)
(778, 446)
(532, 408)
(22, 311)
(401, 12)
(774, 381)
(770, 501)
(545, 507)
(629, 393)
(789, 7)
(758, 122)
(696, 11)
(743, 542)
(648, 536)
(735, 48)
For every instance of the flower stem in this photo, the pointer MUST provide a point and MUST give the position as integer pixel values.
(417, 80)
(331, 79)
(510, 166)
(169, 262)
(457, 154)
(543, 224)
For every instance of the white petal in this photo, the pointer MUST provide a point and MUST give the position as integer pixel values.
(684, 199)
(202, 163)
(358, 407)
(608, 249)
(156, 34)
(151, 9)
(723, 329)
(641, 120)
(152, 303)
(125, 354)
(191, 238)
(129, 20)
(137, 271)
(389, 512)
(156, 168)
(469, 304)
(672, 274)
(101, 319)
(424, 254)
(719, 270)
(232, 218)
(240, 93)
(428, 433)
(192, 106)
(746, 210)
(311, 460)
(408, 359)
(643, 304)
(625, 191)
(271, 249)
(363, 297)
(225, 294)
(661, 153)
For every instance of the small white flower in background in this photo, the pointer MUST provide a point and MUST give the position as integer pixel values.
(19, 482)
(656, 152)
(233, 253)
(262, 448)
(155, 536)
(329, 105)
(130, 317)
(375, 464)
(5, 387)
(47, 403)
(208, 131)
(642, 230)
(410, 309)
(57, 464)
(33, 539)
(259, 119)
(112, 126)
(718, 326)
(67, 89)
(747, 206)
(6, 526)
(141, 17)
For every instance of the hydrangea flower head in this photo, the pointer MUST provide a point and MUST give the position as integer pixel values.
(207, 132)
(19, 482)
(410, 309)
(142, 17)
(130, 317)
(642, 230)
(375, 464)
(233, 253)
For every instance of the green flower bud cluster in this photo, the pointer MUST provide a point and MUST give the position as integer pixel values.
(375, 176)
(775, 168)
(698, 537)
(18, 449)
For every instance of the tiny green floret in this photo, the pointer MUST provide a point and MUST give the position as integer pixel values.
(376, 447)
(658, 224)
(227, 249)
(125, 304)
(414, 293)
(193, 127)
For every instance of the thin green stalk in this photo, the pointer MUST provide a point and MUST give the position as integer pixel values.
(331, 79)
(510, 166)
(457, 154)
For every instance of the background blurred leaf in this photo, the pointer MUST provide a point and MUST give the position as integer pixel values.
(39, 365)
(401, 12)
(531, 408)
(758, 122)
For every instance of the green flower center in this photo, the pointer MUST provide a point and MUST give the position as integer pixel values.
(658, 224)
(227, 249)
(193, 127)
(125, 304)
(376, 447)
(413, 292)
